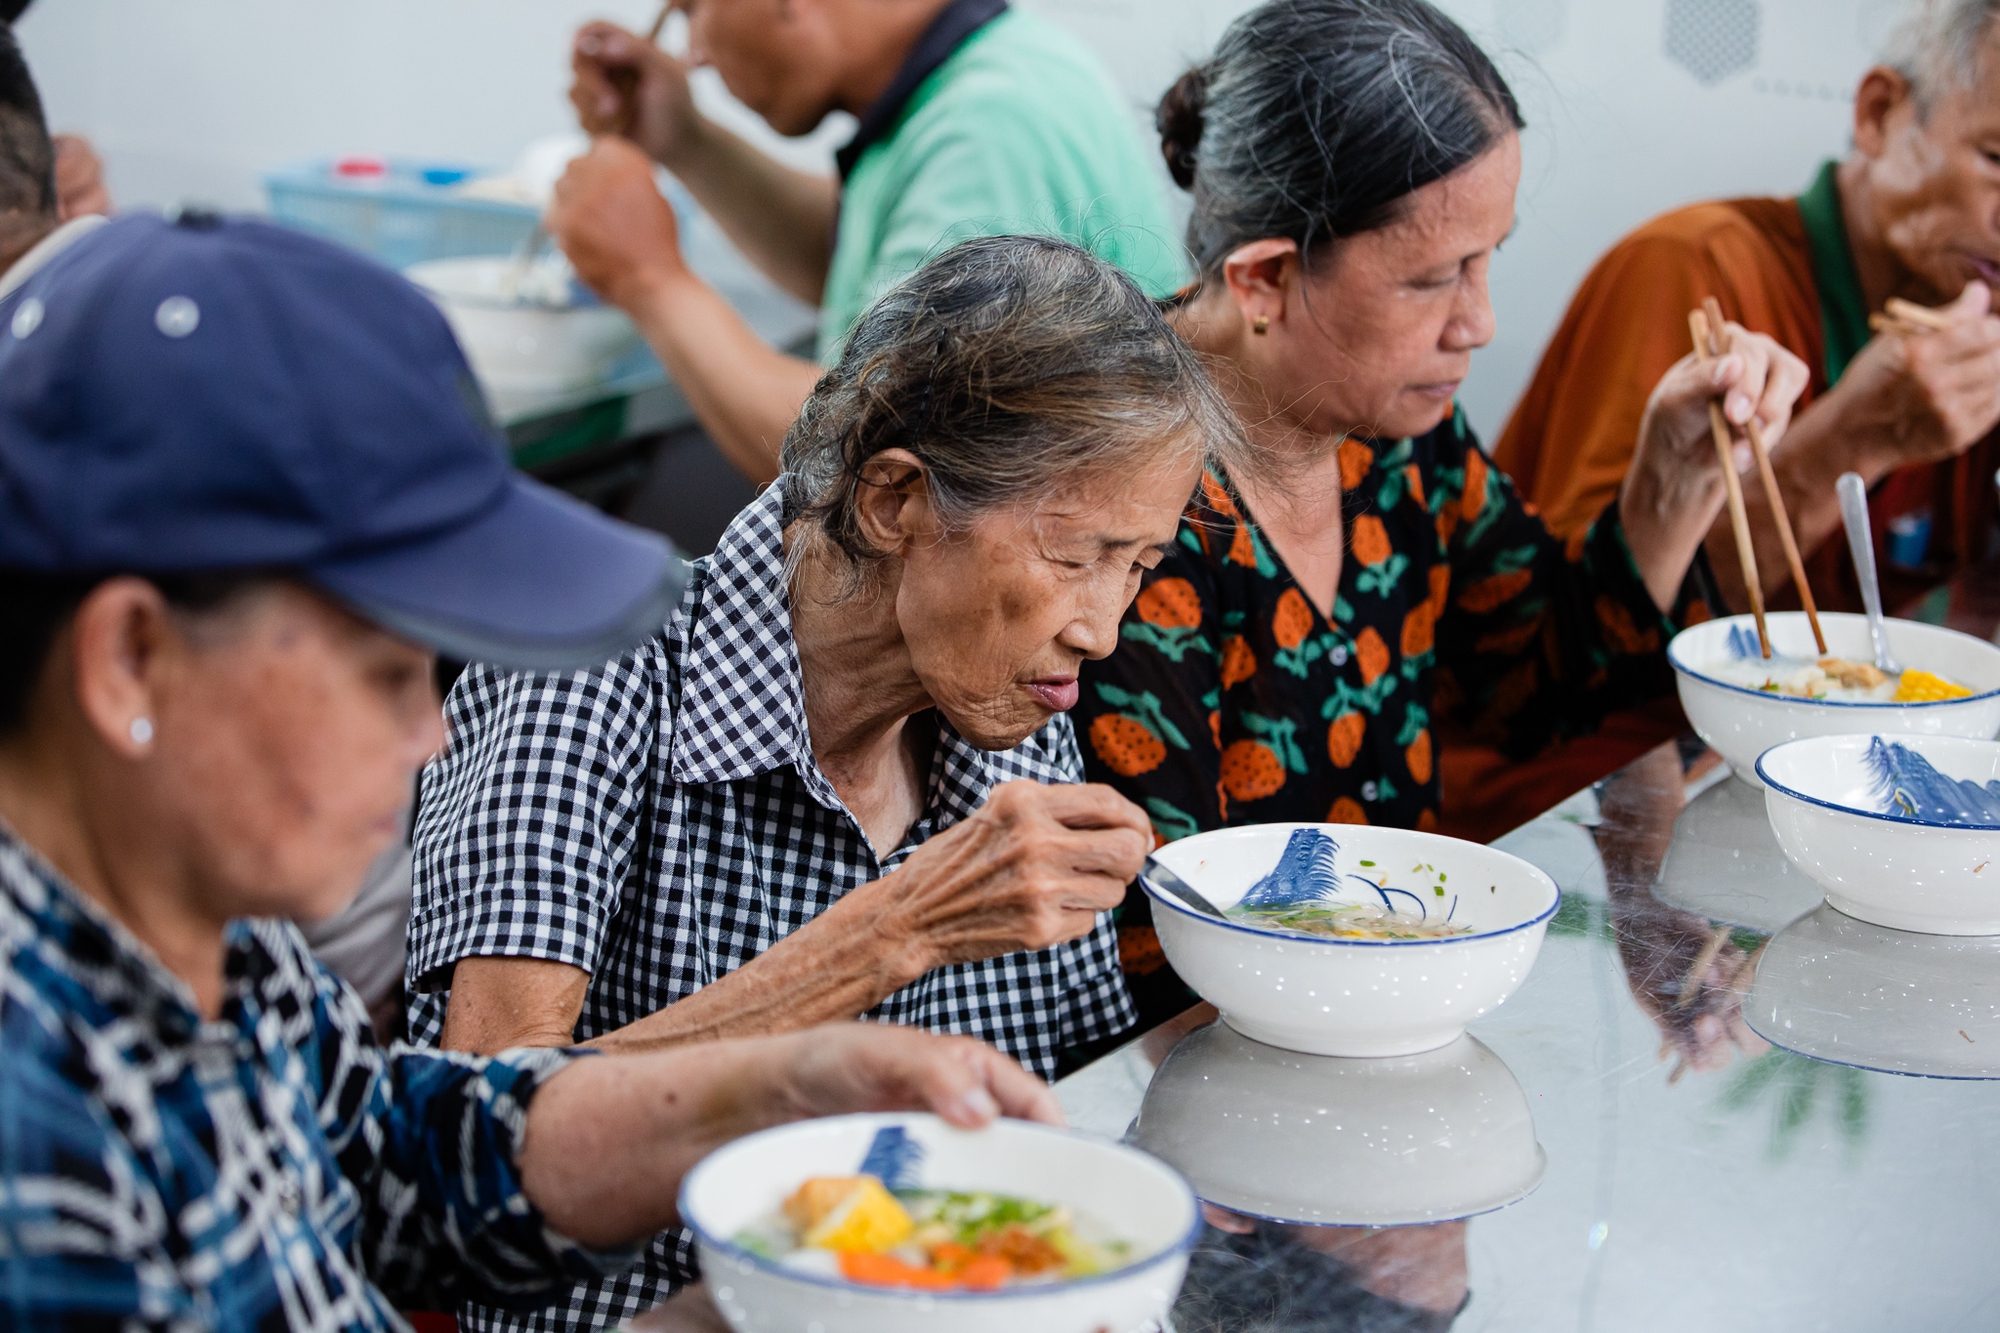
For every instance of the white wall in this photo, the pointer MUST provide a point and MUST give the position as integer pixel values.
(193, 98)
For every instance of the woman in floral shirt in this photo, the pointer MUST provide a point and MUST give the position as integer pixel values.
(1361, 571)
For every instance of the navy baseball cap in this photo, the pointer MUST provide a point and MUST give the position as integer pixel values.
(214, 394)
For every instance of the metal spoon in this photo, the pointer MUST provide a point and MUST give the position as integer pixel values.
(1861, 545)
(1167, 882)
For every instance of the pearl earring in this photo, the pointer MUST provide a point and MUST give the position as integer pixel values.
(142, 731)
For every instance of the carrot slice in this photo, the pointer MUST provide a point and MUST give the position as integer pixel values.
(881, 1270)
(986, 1273)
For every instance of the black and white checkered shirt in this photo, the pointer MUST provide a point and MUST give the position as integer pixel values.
(661, 821)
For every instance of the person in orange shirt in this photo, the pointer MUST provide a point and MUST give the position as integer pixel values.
(1913, 211)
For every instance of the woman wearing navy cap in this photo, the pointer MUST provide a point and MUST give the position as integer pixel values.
(242, 498)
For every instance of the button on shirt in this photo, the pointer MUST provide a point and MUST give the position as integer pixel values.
(661, 821)
(272, 1168)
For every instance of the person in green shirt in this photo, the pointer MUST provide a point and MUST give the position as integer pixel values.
(975, 119)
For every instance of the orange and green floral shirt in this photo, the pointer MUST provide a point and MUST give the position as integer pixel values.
(1231, 700)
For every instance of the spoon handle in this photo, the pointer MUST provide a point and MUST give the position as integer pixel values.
(1174, 886)
(1861, 545)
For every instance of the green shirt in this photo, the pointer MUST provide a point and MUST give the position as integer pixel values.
(1843, 311)
(1020, 131)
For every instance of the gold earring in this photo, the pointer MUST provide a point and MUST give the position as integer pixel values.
(1260, 325)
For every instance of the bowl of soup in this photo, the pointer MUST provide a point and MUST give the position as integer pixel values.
(1900, 831)
(1349, 940)
(896, 1223)
(1742, 703)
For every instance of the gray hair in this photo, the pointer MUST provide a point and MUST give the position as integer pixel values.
(1014, 367)
(1316, 119)
(1937, 45)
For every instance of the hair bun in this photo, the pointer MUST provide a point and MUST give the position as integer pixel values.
(1179, 121)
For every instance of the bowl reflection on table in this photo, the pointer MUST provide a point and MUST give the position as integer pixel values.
(1356, 997)
(1847, 991)
(1130, 1196)
(1724, 863)
(1741, 722)
(1327, 1141)
(1861, 815)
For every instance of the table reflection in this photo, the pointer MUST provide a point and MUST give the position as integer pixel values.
(1839, 989)
(1687, 971)
(1325, 1140)
(1250, 1276)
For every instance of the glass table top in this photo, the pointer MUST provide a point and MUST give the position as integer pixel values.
(1679, 1121)
(1715, 1104)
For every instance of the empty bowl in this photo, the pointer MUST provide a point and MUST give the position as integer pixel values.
(1740, 721)
(1124, 1192)
(1323, 1141)
(1354, 997)
(1903, 831)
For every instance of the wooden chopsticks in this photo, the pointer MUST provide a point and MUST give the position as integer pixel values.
(1786, 538)
(1725, 454)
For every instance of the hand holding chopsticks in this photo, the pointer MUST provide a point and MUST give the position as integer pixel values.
(1672, 493)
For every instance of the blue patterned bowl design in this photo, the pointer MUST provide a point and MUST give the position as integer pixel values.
(1900, 831)
(1308, 871)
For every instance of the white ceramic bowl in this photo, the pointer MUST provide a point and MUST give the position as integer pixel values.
(1356, 997)
(1830, 803)
(1741, 723)
(1130, 1195)
(1322, 1141)
(518, 346)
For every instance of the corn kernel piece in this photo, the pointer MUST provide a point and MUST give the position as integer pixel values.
(868, 1219)
(1917, 687)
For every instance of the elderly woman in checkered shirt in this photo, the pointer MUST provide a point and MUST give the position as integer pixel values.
(842, 781)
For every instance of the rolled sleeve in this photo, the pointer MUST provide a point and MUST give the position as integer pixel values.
(448, 1219)
(529, 820)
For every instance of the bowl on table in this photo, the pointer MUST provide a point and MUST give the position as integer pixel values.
(1319, 1140)
(526, 331)
(1740, 721)
(1123, 1191)
(1354, 997)
(1901, 831)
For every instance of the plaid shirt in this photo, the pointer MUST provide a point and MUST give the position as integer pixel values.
(272, 1168)
(661, 821)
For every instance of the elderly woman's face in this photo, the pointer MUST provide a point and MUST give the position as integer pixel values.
(1379, 336)
(999, 619)
(287, 734)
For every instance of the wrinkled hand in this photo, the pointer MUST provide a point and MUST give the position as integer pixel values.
(848, 1067)
(1755, 377)
(611, 220)
(1930, 396)
(1031, 869)
(627, 86)
(80, 189)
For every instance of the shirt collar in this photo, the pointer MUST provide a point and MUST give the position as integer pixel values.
(80, 942)
(1843, 313)
(742, 707)
(51, 245)
(947, 32)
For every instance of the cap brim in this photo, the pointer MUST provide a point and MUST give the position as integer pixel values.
(539, 582)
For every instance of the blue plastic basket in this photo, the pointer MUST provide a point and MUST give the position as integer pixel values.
(409, 213)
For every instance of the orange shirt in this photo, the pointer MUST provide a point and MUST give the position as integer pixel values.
(1571, 436)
